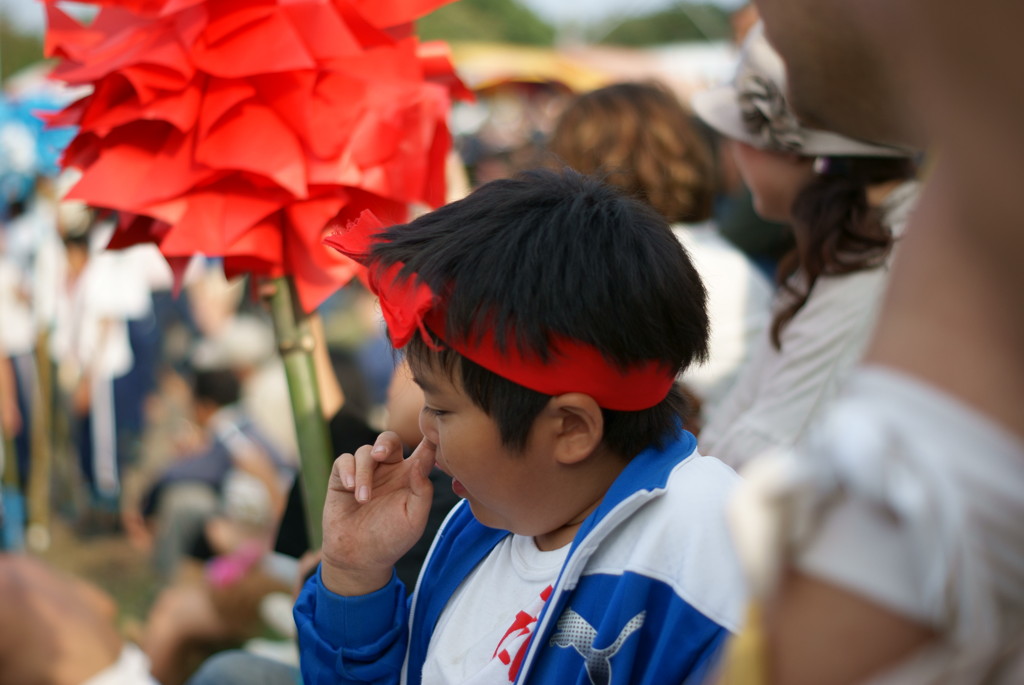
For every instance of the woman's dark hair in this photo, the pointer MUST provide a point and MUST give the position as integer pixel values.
(549, 253)
(837, 231)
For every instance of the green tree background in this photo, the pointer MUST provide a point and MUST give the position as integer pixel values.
(17, 50)
(682, 22)
(504, 21)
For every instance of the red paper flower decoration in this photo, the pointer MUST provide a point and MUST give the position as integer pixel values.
(241, 128)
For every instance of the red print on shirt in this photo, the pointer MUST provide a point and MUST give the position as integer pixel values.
(512, 648)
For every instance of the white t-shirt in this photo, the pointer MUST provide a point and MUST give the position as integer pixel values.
(482, 633)
(17, 325)
(131, 668)
(739, 309)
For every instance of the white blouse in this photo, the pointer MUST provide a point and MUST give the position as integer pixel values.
(780, 393)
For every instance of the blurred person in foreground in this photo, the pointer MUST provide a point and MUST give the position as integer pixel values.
(639, 137)
(847, 202)
(58, 630)
(888, 547)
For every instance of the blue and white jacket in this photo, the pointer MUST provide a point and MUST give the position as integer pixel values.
(649, 592)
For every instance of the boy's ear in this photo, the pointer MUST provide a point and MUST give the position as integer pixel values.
(577, 426)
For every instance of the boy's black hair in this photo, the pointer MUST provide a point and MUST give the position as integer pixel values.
(218, 386)
(561, 253)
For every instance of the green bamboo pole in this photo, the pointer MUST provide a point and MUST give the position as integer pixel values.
(295, 341)
(41, 473)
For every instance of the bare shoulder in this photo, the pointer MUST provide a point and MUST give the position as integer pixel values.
(16, 573)
(15, 617)
(817, 632)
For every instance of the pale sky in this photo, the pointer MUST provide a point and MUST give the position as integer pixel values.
(583, 11)
(29, 13)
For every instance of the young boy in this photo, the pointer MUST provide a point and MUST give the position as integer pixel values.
(545, 318)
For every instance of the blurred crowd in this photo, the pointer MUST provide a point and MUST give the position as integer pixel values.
(151, 405)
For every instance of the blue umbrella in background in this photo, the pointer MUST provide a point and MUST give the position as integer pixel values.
(28, 148)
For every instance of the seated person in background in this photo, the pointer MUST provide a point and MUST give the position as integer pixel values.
(592, 538)
(224, 502)
(638, 137)
(237, 474)
(59, 630)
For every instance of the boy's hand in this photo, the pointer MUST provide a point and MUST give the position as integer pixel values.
(376, 510)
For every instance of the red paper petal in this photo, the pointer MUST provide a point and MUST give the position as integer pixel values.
(254, 139)
(220, 96)
(65, 37)
(174, 6)
(332, 39)
(135, 230)
(338, 102)
(269, 44)
(383, 13)
(141, 164)
(69, 116)
(232, 16)
(179, 265)
(320, 269)
(261, 245)
(289, 95)
(436, 59)
(115, 103)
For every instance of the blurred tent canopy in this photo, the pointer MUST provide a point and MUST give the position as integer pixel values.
(684, 67)
(487, 65)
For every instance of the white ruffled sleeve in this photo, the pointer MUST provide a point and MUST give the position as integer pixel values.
(903, 496)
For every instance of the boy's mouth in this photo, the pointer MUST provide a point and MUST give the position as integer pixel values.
(459, 489)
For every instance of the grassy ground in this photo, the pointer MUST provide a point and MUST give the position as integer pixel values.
(110, 560)
(112, 563)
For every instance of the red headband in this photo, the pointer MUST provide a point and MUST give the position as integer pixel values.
(410, 305)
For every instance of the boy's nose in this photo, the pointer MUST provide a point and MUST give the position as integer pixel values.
(428, 425)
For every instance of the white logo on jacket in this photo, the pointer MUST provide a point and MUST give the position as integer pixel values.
(574, 631)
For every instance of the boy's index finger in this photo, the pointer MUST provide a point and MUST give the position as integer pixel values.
(387, 447)
(426, 455)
